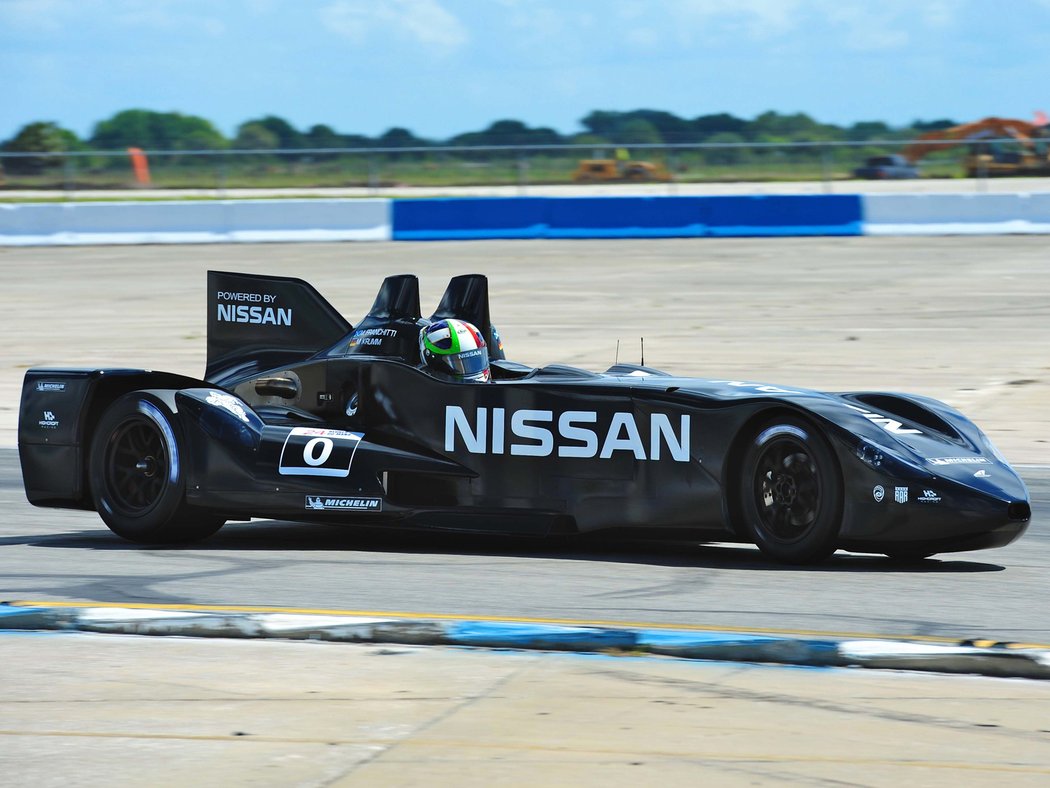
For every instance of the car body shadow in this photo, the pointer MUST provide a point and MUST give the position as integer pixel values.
(281, 535)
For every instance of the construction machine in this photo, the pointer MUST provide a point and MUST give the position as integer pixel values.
(612, 170)
(998, 147)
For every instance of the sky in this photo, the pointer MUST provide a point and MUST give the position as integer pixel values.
(441, 67)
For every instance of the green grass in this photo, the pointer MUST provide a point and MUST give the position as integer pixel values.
(436, 171)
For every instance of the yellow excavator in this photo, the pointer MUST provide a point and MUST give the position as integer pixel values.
(616, 170)
(1025, 152)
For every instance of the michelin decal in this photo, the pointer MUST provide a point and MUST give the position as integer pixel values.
(321, 503)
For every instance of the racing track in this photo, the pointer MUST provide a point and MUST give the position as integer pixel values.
(962, 319)
(61, 555)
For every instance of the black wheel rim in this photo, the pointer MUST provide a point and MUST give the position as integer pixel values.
(787, 489)
(137, 464)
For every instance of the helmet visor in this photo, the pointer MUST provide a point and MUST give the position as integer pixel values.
(468, 362)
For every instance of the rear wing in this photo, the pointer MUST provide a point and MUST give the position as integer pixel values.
(258, 322)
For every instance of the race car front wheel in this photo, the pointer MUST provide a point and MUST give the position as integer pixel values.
(137, 474)
(790, 492)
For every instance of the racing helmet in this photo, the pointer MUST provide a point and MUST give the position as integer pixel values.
(455, 348)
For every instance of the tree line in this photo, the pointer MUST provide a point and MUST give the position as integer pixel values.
(173, 131)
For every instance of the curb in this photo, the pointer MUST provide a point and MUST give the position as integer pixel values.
(969, 657)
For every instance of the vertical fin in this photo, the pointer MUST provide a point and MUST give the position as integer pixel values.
(258, 322)
(467, 298)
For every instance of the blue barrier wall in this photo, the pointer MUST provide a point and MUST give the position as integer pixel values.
(625, 217)
(252, 221)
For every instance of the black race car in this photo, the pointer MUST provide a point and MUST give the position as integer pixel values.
(302, 416)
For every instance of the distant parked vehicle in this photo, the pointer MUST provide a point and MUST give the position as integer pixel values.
(886, 168)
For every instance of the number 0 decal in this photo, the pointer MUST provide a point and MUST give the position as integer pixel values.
(314, 452)
(313, 457)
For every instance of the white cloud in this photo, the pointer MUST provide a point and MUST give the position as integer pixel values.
(35, 15)
(159, 15)
(755, 19)
(860, 24)
(864, 28)
(58, 16)
(425, 22)
(643, 38)
(942, 13)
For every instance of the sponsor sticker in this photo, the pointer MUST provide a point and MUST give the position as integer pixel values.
(265, 316)
(762, 388)
(50, 386)
(890, 425)
(545, 433)
(982, 474)
(238, 309)
(322, 503)
(900, 494)
(260, 298)
(878, 493)
(959, 461)
(221, 399)
(49, 422)
(929, 496)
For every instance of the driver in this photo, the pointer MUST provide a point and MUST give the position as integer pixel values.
(455, 349)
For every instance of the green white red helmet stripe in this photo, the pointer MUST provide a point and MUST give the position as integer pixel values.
(456, 348)
(459, 334)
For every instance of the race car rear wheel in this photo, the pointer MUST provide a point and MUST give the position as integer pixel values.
(138, 476)
(790, 492)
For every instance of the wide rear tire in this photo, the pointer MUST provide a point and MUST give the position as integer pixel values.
(790, 492)
(138, 474)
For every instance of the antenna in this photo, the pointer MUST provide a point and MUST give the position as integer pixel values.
(617, 359)
(643, 351)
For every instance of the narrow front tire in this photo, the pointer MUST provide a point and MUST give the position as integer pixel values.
(790, 492)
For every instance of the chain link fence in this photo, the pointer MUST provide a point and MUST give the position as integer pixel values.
(385, 170)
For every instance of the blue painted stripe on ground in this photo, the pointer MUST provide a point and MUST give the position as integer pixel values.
(720, 646)
(669, 637)
(6, 612)
(473, 633)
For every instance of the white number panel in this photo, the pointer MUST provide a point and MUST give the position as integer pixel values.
(316, 452)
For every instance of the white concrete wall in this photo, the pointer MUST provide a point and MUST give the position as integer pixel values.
(222, 221)
(956, 214)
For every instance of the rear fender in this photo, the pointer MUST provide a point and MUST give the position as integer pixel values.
(58, 412)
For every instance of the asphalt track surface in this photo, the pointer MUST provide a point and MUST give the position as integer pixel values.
(61, 556)
(931, 315)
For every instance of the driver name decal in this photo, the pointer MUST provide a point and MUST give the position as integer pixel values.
(573, 433)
